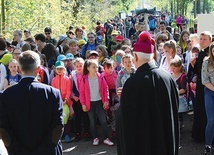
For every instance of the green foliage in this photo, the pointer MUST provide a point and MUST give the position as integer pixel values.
(35, 15)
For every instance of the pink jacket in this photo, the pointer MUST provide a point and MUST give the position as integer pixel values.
(63, 83)
(110, 79)
(85, 90)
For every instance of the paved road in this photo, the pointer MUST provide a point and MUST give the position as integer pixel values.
(188, 146)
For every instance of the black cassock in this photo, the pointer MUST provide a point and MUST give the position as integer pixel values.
(200, 118)
(147, 121)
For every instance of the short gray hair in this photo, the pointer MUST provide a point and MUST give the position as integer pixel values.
(29, 61)
(147, 56)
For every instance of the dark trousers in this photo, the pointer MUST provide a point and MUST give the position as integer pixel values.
(97, 110)
(81, 117)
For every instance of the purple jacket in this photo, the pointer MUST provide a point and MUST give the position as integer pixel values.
(85, 90)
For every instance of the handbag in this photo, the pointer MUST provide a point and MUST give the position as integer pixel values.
(183, 106)
(66, 113)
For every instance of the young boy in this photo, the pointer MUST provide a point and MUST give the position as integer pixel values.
(126, 70)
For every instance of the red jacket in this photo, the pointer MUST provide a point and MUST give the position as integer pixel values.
(63, 83)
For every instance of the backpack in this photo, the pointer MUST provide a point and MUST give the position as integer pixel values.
(186, 87)
(152, 24)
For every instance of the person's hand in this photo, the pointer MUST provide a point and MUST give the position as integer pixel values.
(119, 91)
(84, 108)
(105, 105)
(76, 98)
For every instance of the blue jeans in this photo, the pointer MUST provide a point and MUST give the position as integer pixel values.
(97, 110)
(209, 106)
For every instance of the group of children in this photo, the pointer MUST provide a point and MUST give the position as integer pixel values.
(89, 93)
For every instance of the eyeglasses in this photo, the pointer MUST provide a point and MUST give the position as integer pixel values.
(90, 37)
(70, 33)
(47, 33)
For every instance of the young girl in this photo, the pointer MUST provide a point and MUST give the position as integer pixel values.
(80, 115)
(183, 40)
(63, 83)
(13, 77)
(170, 52)
(207, 75)
(101, 49)
(111, 76)
(94, 99)
(179, 75)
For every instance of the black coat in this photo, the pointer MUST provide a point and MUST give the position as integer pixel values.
(200, 119)
(147, 121)
(30, 112)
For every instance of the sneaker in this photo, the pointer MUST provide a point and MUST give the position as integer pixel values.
(67, 139)
(207, 151)
(78, 137)
(96, 142)
(108, 142)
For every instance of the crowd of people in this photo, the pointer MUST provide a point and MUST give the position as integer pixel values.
(90, 69)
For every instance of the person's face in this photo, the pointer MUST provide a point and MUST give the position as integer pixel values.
(70, 63)
(79, 67)
(99, 52)
(160, 49)
(175, 69)
(16, 36)
(13, 67)
(128, 42)
(185, 37)
(204, 41)
(109, 70)
(212, 51)
(178, 51)
(48, 34)
(26, 34)
(189, 46)
(79, 33)
(194, 42)
(60, 71)
(16, 53)
(118, 42)
(91, 38)
(93, 68)
(162, 27)
(73, 47)
(127, 63)
(168, 50)
(113, 37)
(128, 50)
(184, 27)
(141, 28)
(70, 35)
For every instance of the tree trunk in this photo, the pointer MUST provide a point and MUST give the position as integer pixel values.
(198, 7)
(204, 5)
(3, 17)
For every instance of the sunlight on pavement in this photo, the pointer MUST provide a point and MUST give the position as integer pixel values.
(104, 152)
(70, 149)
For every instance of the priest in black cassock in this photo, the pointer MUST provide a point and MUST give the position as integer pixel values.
(200, 118)
(147, 121)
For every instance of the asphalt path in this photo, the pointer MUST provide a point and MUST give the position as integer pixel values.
(188, 145)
